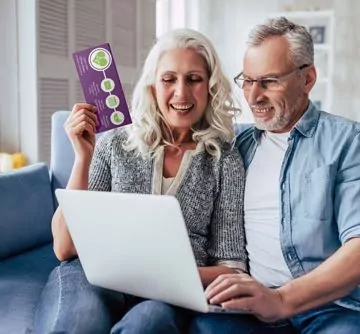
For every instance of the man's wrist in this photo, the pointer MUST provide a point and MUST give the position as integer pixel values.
(287, 310)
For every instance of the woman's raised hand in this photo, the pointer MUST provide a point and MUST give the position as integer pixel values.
(81, 129)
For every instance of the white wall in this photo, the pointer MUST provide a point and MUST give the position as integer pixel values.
(347, 61)
(27, 89)
(9, 115)
(227, 23)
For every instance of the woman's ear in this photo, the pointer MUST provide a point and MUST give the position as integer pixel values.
(310, 78)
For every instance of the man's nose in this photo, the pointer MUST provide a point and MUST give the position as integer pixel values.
(255, 93)
(181, 88)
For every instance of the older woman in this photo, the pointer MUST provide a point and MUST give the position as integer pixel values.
(179, 144)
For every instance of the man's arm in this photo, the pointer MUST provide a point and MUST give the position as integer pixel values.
(333, 279)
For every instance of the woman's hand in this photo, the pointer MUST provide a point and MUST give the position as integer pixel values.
(81, 129)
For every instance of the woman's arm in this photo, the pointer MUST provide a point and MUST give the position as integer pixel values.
(91, 169)
(80, 128)
(63, 245)
(227, 241)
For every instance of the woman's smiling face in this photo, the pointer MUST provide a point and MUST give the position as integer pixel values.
(181, 88)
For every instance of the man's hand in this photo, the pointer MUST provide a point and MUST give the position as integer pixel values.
(240, 291)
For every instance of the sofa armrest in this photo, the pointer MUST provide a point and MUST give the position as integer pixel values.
(26, 209)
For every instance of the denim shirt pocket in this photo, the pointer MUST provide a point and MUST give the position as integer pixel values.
(318, 192)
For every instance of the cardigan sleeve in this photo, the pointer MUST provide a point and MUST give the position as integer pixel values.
(227, 237)
(100, 168)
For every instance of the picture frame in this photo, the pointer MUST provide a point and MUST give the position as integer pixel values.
(318, 34)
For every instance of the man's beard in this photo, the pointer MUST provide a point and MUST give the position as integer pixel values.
(278, 122)
(281, 120)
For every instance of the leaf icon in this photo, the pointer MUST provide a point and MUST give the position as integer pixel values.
(100, 59)
(116, 118)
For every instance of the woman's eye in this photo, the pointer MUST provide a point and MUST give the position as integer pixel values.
(168, 80)
(195, 78)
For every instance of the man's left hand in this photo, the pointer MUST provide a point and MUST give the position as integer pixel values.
(241, 292)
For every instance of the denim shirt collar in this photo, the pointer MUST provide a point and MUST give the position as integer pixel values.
(306, 125)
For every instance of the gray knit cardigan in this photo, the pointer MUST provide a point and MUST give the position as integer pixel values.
(210, 194)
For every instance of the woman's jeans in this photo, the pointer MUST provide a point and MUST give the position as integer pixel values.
(70, 304)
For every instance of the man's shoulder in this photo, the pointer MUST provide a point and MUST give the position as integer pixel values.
(337, 124)
(244, 134)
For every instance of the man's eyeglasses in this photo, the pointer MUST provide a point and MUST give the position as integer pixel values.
(269, 83)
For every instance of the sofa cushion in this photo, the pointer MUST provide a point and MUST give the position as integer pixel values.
(26, 209)
(62, 153)
(22, 279)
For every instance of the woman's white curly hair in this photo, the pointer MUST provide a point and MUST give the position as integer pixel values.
(150, 130)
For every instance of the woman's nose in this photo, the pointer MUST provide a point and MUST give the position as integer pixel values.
(181, 88)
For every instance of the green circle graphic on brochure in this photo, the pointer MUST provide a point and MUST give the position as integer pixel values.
(117, 117)
(112, 101)
(107, 85)
(100, 59)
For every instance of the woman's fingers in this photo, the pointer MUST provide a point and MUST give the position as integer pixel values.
(77, 130)
(83, 116)
(81, 112)
(83, 108)
(80, 106)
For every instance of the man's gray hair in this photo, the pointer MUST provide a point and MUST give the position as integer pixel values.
(300, 40)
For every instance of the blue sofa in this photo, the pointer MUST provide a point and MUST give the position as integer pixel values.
(27, 204)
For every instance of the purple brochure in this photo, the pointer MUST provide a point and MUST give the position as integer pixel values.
(102, 87)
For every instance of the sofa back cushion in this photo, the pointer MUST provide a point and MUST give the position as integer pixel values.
(62, 153)
(26, 209)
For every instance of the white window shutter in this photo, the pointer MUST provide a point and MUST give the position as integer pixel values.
(53, 27)
(90, 18)
(53, 95)
(66, 26)
(124, 32)
(53, 83)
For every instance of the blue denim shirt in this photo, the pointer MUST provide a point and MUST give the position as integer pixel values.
(319, 189)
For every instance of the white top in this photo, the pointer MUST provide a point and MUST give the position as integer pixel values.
(262, 221)
(166, 183)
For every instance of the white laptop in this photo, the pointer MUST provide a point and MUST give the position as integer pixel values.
(135, 243)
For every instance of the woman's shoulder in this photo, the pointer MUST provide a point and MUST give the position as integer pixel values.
(230, 159)
(229, 151)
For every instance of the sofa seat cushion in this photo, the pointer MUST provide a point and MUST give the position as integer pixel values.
(22, 279)
(26, 209)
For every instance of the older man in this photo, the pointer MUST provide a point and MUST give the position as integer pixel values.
(302, 200)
